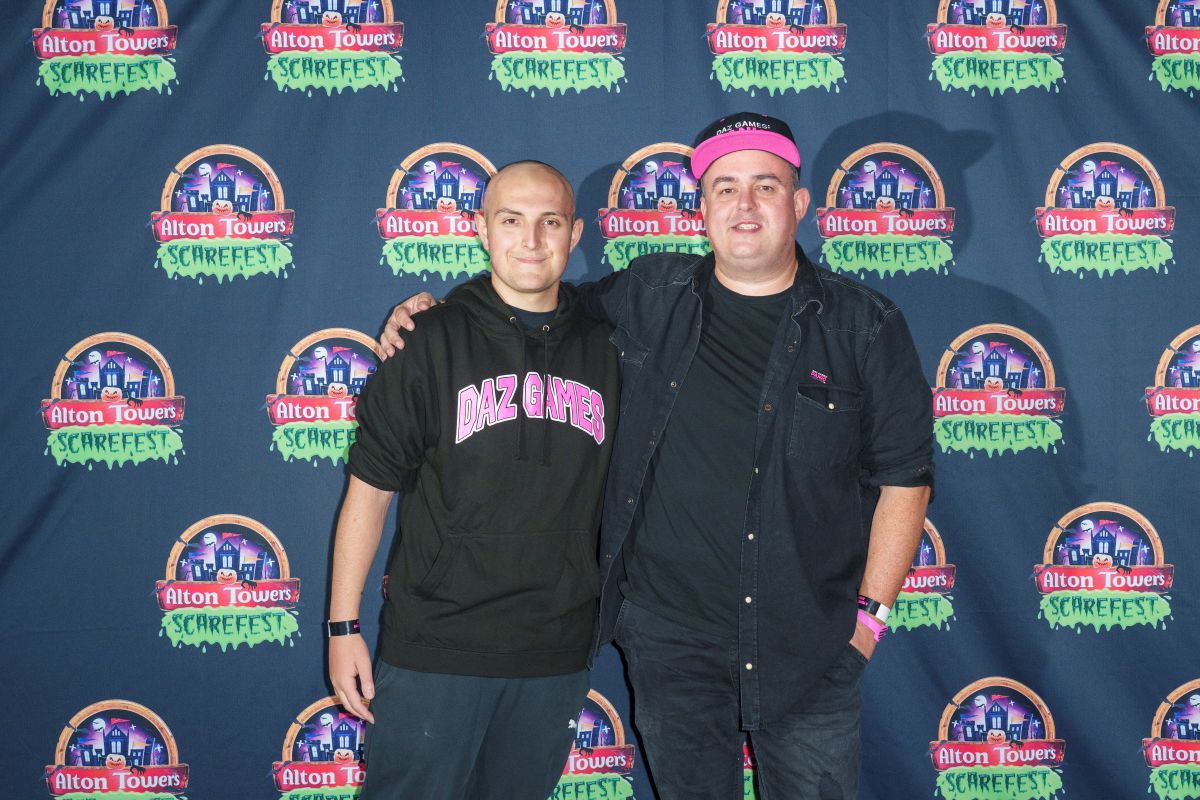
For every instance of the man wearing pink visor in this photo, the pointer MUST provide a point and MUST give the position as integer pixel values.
(767, 487)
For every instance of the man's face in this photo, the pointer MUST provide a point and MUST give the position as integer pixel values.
(751, 210)
(528, 228)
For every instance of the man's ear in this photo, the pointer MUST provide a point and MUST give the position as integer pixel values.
(800, 200)
(481, 226)
(576, 232)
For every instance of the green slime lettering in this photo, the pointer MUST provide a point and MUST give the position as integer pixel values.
(996, 434)
(223, 259)
(312, 441)
(886, 253)
(558, 72)
(1104, 608)
(915, 609)
(1106, 253)
(228, 628)
(619, 252)
(114, 445)
(1176, 781)
(106, 75)
(996, 72)
(1177, 432)
(999, 783)
(324, 793)
(596, 785)
(1178, 71)
(777, 72)
(748, 792)
(334, 70)
(445, 256)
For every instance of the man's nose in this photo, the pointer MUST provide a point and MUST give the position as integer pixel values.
(746, 198)
(531, 237)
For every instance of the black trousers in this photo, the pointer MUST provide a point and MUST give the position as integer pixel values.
(459, 737)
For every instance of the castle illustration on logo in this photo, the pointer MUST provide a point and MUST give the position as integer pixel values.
(1174, 400)
(885, 212)
(105, 47)
(556, 45)
(777, 45)
(924, 598)
(227, 584)
(1174, 41)
(653, 206)
(1172, 751)
(995, 392)
(222, 215)
(333, 45)
(428, 225)
(1105, 211)
(113, 401)
(316, 391)
(1103, 567)
(600, 761)
(997, 45)
(996, 739)
(324, 746)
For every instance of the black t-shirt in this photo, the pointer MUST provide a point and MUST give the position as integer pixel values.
(685, 562)
(533, 320)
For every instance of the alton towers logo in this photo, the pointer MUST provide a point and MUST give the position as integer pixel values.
(222, 215)
(105, 47)
(556, 45)
(601, 761)
(1172, 751)
(777, 45)
(228, 583)
(113, 402)
(333, 45)
(996, 741)
(925, 599)
(653, 206)
(316, 394)
(118, 749)
(1174, 399)
(323, 754)
(997, 45)
(1105, 212)
(1103, 567)
(428, 225)
(1174, 41)
(885, 213)
(996, 393)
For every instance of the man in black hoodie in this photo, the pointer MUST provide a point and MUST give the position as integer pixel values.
(497, 424)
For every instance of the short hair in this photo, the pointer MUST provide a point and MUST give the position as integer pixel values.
(533, 162)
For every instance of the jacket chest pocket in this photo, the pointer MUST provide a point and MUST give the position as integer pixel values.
(633, 355)
(826, 423)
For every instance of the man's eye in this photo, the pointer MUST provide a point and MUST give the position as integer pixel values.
(766, 188)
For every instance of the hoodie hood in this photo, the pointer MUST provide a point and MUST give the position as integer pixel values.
(479, 298)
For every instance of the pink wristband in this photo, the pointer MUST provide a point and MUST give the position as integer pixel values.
(874, 624)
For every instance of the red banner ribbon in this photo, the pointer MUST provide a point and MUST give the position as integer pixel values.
(285, 408)
(1161, 752)
(939, 579)
(150, 411)
(59, 42)
(1035, 402)
(873, 221)
(369, 37)
(725, 38)
(616, 222)
(398, 222)
(947, 38)
(505, 37)
(283, 593)
(1028, 753)
(164, 779)
(1085, 221)
(1165, 41)
(1161, 400)
(1143, 578)
(171, 225)
(616, 759)
(291, 775)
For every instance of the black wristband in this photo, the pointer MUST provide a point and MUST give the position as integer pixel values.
(343, 628)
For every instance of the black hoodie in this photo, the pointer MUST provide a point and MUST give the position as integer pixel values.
(500, 439)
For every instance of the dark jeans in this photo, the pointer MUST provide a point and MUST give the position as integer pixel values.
(469, 738)
(685, 703)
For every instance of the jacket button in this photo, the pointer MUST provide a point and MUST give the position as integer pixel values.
(608, 555)
(791, 348)
(674, 384)
(750, 536)
(768, 407)
(749, 666)
(749, 600)
(629, 500)
(831, 406)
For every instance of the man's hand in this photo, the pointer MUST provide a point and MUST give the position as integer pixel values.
(390, 342)
(349, 659)
(863, 641)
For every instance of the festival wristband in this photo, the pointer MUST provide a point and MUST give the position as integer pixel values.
(874, 607)
(343, 628)
(871, 622)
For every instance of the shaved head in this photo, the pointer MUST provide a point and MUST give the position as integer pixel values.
(526, 170)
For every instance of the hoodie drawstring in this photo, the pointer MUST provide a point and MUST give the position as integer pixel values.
(520, 456)
(546, 378)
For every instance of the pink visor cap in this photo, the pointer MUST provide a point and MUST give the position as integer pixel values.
(744, 131)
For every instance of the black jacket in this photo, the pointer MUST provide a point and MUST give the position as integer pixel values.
(844, 409)
(500, 439)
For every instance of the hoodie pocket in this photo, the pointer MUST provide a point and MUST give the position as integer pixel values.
(511, 591)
